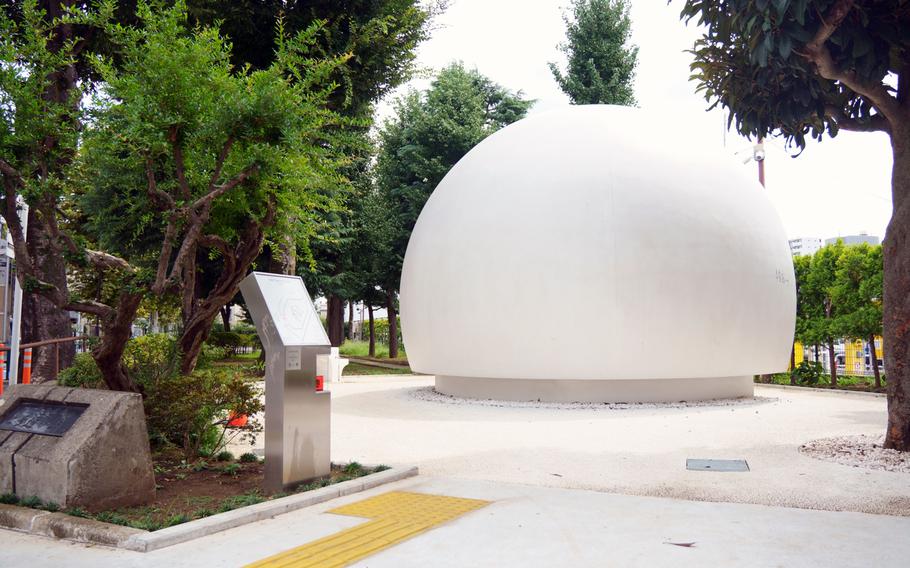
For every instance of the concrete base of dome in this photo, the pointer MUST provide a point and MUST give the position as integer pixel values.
(618, 390)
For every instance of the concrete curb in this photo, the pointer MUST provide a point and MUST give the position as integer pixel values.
(372, 363)
(828, 391)
(58, 525)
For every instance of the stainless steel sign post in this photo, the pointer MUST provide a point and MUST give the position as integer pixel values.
(297, 416)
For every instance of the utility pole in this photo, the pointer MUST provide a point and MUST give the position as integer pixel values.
(16, 337)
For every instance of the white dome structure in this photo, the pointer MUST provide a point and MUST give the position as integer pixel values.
(579, 255)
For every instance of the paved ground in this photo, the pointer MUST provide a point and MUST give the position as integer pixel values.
(534, 526)
(632, 451)
(537, 467)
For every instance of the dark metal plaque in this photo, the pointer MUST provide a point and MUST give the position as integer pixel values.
(41, 417)
(717, 465)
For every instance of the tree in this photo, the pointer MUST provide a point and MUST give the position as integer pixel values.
(429, 133)
(38, 162)
(178, 152)
(858, 292)
(187, 154)
(821, 282)
(804, 309)
(800, 68)
(40, 105)
(601, 59)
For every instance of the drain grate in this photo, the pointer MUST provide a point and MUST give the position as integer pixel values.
(717, 465)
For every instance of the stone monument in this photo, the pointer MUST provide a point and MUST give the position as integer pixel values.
(297, 410)
(75, 447)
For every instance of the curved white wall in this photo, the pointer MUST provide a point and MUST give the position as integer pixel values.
(582, 244)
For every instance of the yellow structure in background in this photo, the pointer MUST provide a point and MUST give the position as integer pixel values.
(395, 516)
(798, 355)
(854, 355)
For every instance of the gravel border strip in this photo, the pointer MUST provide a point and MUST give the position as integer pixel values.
(863, 450)
(59, 525)
(429, 394)
(815, 389)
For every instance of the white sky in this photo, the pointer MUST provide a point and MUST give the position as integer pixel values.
(838, 187)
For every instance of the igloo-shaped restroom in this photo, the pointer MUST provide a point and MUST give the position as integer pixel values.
(582, 255)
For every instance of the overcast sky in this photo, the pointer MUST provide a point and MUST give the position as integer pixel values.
(838, 187)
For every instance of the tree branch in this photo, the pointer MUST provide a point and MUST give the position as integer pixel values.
(180, 168)
(875, 123)
(818, 53)
(160, 198)
(103, 311)
(164, 258)
(219, 165)
(8, 170)
(219, 190)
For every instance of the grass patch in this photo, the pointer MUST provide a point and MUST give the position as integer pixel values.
(354, 368)
(362, 349)
(845, 382)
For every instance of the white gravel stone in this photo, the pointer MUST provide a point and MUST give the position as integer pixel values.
(429, 394)
(858, 451)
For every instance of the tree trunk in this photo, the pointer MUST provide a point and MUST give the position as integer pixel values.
(226, 317)
(816, 352)
(393, 325)
(896, 304)
(284, 257)
(874, 361)
(832, 362)
(41, 319)
(793, 364)
(335, 320)
(372, 351)
(153, 322)
(201, 314)
(351, 321)
(108, 355)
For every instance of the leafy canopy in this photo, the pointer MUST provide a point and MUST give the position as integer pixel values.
(801, 67)
(601, 59)
(174, 123)
(428, 134)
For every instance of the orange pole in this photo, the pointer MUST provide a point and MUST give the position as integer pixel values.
(27, 366)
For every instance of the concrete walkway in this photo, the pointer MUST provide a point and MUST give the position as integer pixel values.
(640, 451)
(534, 526)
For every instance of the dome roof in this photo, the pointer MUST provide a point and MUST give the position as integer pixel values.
(583, 244)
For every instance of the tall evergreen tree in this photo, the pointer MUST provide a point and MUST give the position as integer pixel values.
(429, 133)
(601, 58)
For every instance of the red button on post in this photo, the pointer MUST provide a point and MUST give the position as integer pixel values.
(320, 383)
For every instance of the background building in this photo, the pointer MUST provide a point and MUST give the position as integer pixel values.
(804, 246)
(855, 239)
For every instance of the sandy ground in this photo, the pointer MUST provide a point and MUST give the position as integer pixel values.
(635, 451)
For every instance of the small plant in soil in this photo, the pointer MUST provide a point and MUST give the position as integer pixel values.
(224, 456)
(9, 498)
(231, 469)
(31, 501)
(249, 457)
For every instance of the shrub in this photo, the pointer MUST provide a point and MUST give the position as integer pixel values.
(82, 373)
(189, 411)
(192, 411)
(231, 341)
(381, 328)
(808, 372)
(224, 456)
(249, 457)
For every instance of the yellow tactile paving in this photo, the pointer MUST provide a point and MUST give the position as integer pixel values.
(396, 516)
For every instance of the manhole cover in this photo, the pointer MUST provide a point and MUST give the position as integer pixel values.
(717, 465)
